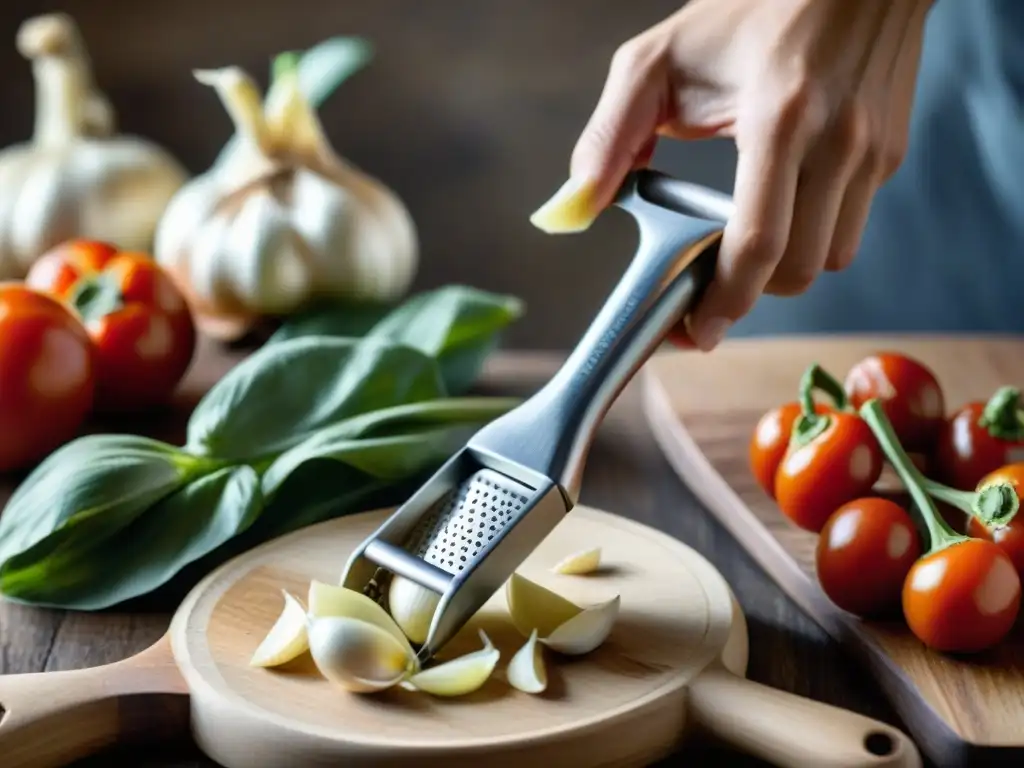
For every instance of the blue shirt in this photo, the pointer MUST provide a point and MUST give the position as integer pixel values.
(944, 245)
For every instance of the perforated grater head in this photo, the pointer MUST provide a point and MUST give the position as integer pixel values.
(467, 529)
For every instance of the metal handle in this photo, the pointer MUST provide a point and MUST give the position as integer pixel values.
(680, 225)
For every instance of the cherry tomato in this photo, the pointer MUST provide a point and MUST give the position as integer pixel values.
(963, 598)
(909, 393)
(1009, 538)
(137, 318)
(769, 442)
(47, 376)
(838, 465)
(968, 448)
(864, 554)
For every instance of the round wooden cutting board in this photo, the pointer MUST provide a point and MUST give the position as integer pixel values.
(675, 658)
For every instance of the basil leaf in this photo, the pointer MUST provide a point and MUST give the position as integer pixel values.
(347, 319)
(322, 69)
(284, 392)
(409, 439)
(86, 491)
(456, 325)
(168, 536)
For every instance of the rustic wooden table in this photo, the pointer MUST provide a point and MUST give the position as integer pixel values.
(625, 474)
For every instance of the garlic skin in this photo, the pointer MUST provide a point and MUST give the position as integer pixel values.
(412, 607)
(75, 179)
(287, 639)
(460, 676)
(358, 656)
(281, 220)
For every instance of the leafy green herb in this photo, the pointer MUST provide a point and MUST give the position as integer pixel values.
(284, 392)
(456, 325)
(310, 427)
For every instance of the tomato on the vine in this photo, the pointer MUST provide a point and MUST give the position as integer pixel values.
(138, 320)
(1009, 537)
(864, 554)
(47, 376)
(769, 441)
(909, 393)
(837, 459)
(962, 598)
(979, 438)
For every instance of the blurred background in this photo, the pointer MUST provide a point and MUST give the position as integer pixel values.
(469, 111)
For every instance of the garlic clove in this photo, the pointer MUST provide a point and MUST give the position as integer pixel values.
(526, 671)
(357, 655)
(581, 563)
(586, 631)
(329, 600)
(561, 625)
(412, 607)
(531, 606)
(459, 676)
(287, 639)
(571, 209)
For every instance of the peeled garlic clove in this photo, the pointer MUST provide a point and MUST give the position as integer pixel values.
(458, 676)
(561, 625)
(327, 600)
(526, 671)
(359, 656)
(412, 607)
(581, 563)
(571, 209)
(287, 639)
(586, 631)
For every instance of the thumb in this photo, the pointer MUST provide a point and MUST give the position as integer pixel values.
(621, 132)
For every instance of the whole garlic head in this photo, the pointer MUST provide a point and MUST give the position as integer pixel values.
(282, 220)
(75, 179)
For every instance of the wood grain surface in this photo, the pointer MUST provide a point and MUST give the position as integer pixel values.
(703, 409)
(626, 471)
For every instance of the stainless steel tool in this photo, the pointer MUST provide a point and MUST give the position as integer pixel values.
(467, 529)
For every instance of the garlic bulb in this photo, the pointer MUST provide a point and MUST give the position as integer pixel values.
(358, 656)
(75, 179)
(281, 219)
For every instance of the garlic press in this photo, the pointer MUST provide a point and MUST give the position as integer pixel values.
(468, 528)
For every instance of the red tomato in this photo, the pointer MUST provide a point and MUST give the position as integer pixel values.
(769, 442)
(137, 318)
(47, 376)
(963, 598)
(968, 449)
(864, 554)
(909, 394)
(1009, 538)
(840, 464)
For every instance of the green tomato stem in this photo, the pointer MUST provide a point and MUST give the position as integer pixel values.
(939, 534)
(810, 424)
(993, 506)
(1003, 416)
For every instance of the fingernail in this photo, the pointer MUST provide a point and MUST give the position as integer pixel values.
(572, 208)
(711, 333)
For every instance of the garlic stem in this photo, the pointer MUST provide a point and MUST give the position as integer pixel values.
(63, 81)
(290, 118)
(241, 99)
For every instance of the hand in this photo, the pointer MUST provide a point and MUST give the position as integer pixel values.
(817, 95)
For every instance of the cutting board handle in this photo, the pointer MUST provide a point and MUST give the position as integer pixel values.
(51, 719)
(791, 731)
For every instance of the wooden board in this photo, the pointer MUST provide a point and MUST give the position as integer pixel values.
(703, 409)
(679, 648)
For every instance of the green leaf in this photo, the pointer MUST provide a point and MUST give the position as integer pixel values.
(346, 319)
(284, 392)
(86, 491)
(177, 531)
(392, 444)
(322, 69)
(457, 325)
